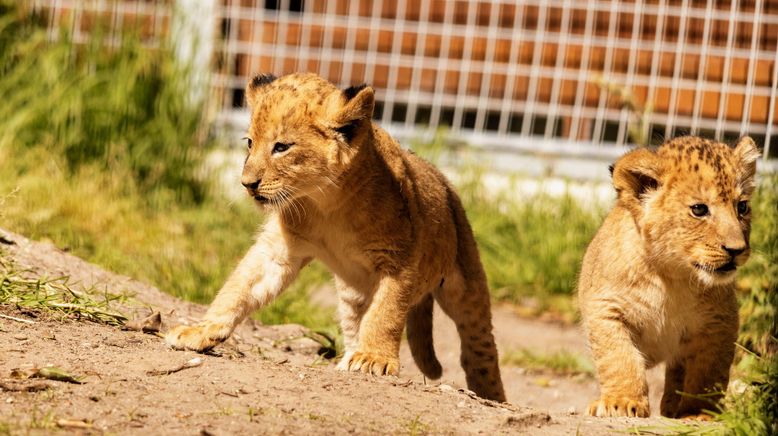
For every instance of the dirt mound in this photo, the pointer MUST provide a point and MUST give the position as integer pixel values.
(266, 379)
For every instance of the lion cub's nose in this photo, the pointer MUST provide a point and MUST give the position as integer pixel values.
(250, 184)
(733, 251)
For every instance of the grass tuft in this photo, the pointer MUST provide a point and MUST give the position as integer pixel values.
(558, 362)
(56, 296)
(416, 427)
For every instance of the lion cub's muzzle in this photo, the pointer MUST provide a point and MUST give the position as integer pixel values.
(727, 267)
(737, 257)
(261, 199)
(252, 187)
(733, 259)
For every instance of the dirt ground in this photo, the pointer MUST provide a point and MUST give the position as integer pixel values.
(264, 380)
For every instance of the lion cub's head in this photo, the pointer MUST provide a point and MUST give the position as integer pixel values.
(690, 200)
(304, 132)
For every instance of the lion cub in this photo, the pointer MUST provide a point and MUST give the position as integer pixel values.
(385, 222)
(657, 283)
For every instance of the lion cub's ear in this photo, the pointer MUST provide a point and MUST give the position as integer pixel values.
(358, 106)
(635, 174)
(746, 154)
(254, 87)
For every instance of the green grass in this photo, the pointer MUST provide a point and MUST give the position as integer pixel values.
(101, 153)
(184, 249)
(560, 362)
(416, 427)
(125, 108)
(56, 296)
(531, 249)
(526, 253)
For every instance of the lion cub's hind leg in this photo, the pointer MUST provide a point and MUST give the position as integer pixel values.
(467, 303)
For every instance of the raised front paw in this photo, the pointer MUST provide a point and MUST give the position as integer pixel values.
(200, 337)
(370, 363)
(620, 406)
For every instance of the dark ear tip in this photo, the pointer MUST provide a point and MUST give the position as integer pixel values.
(352, 91)
(262, 79)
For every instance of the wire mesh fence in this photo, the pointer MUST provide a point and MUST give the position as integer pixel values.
(149, 20)
(581, 73)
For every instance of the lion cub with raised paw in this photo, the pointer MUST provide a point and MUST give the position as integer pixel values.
(385, 222)
(657, 283)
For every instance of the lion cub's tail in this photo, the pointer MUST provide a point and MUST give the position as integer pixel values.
(419, 331)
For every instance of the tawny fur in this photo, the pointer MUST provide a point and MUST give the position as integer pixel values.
(385, 222)
(657, 284)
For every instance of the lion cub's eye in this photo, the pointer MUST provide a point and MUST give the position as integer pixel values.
(742, 207)
(249, 143)
(280, 147)
(699, 210)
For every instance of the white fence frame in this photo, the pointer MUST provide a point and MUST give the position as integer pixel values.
(493, 115)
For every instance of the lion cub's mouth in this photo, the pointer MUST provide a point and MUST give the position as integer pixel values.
(723, 269)
(727, 267)
(261, 199)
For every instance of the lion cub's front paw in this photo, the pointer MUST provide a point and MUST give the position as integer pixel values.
(610, 406)
(344, 361)
(200, 337)
(370, 363)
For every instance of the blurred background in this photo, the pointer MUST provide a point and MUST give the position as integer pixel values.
(121, 122)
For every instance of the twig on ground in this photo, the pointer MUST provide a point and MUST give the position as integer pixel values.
(197, 361)
(56, 374)
(13, 318)
(72, 423)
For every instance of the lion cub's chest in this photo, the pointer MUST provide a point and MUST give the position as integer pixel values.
(344, 257)
(666, 320)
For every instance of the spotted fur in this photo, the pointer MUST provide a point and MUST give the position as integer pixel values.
(657, 282)
(386, 223)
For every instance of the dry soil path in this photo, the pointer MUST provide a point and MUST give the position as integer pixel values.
(266, 380)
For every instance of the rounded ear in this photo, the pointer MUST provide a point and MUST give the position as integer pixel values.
(358, 106)
(634, 175)
(254, 87)
(746, 154)
(359, 102)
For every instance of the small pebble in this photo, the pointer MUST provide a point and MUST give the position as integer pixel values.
(20, 337)
(446, 388)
